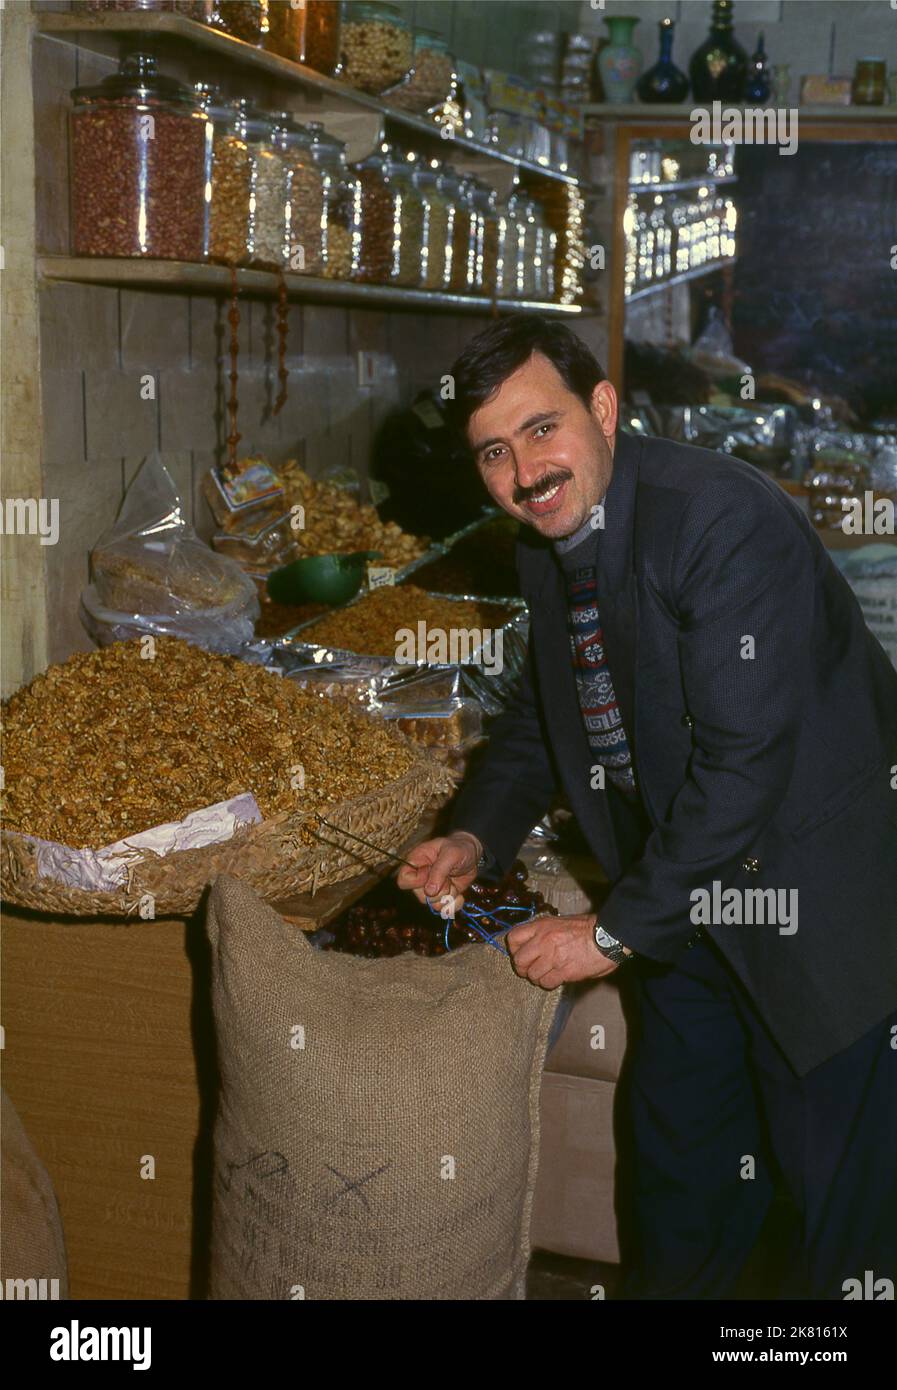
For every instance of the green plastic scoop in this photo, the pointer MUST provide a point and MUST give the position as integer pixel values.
(320, 578)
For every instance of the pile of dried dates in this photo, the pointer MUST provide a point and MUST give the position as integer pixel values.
(389, 921)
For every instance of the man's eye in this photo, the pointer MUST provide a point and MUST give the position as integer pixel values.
(546, 426)
(489, 456)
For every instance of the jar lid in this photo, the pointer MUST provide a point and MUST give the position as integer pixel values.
(429, 38)
(258, 122)
(322, 140)
(297, 133)
(137, 76)
(374, 9)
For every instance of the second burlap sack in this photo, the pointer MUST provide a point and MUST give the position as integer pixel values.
(378, 1124)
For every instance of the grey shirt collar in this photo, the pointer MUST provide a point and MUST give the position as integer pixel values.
(568, 544)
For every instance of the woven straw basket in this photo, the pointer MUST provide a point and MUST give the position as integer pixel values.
(267, 856)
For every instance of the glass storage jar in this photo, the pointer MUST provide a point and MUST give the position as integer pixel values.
(439, 225)
(504, 250)
(463, 259)
(341, 220)
(322, 36)
(375, 46)
(549, 264)
(485, 231)
(228, 181)
(432, 82)
(515, 248)
(270, 189)
(381, 205)
(130, 5)
(138, 150)
(242, 19)
(284, 33)
(413, 218)
(534, 243)
(305, 203)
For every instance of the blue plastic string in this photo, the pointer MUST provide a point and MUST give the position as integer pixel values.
(470, 919)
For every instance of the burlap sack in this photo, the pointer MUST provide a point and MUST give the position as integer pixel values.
(33, 1261)
(378, 1126)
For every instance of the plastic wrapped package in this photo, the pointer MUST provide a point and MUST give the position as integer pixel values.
(152, 574)
(872, 574)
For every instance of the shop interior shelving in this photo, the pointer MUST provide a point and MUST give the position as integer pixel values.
(361, 120)
(197, 278)
(696, 273)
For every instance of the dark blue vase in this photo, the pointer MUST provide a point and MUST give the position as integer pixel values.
(664, 82)
(758, 86)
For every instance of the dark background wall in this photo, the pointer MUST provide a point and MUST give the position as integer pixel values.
(816, 297)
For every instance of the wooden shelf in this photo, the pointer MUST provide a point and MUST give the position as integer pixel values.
(180, 276)
(680, 185)
(176, 35)
(684, 275)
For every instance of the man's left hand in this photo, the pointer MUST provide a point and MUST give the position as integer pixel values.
(552, 951)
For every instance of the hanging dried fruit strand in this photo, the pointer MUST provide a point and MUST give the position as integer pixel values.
(233, 319)
(282, 328)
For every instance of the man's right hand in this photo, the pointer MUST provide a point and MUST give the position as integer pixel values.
(447, 864)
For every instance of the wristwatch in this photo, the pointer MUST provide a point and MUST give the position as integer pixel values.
(609, 946)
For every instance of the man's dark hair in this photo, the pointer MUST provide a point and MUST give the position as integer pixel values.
(493, 355)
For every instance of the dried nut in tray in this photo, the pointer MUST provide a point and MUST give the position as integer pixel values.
(111, 743)
(371, 625)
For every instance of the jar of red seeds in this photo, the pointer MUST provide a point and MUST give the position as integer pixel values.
(138, 150)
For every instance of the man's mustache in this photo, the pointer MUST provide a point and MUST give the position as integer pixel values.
(523, 494)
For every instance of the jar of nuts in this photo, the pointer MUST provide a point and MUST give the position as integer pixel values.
(413, 219)
(534, 251)
(432, 82)
(381, 207)
(341, 222)
(270, 189)
(463, 258)
(285, 30)
(322, 36)
(138, 151)
(242, 19)
(431, 180)
(228, 179)
(305, 204)
(514, 274)
(485, 233)
(376, 46)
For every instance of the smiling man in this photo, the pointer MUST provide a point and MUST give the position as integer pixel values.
(701, 685)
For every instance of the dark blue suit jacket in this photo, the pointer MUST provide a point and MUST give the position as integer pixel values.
(772, 772)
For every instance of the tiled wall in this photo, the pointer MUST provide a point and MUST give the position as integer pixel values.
(98, 343)
(813, 36)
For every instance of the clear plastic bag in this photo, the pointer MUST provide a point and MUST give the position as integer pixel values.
(152, 574)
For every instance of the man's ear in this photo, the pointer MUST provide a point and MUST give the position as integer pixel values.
(605, 408)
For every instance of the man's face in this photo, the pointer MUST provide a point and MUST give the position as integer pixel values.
(544, 456)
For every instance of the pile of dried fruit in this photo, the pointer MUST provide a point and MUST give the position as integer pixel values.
(389, 921)
(334, 521)
(370, 626)
(111, 743)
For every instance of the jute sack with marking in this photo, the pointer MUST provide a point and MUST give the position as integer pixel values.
(378, 1125)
